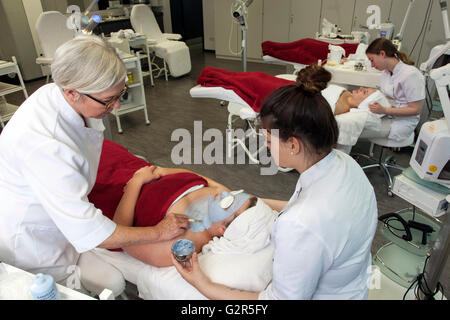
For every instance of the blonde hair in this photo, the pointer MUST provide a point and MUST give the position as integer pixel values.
(87, 64)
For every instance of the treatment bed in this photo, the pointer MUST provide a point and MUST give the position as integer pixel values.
(301, 53)
(245, 245)
(245, 92)
(241, 259)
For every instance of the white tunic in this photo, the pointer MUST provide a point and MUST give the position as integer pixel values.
(405, 84)
(323, 237)
(48, 166)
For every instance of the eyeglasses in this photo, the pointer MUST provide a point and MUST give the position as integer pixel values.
(110, 102)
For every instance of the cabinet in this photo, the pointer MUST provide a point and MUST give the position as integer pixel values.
(304, 23)
(228, 34)
(6, 109)
(276, 20)
(135, 100)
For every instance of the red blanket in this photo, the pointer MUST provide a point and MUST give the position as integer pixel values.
(305, 51)
(117, 166)
(252, 87)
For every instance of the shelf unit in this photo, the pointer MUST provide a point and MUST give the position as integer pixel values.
(136, 94)
(7, 110)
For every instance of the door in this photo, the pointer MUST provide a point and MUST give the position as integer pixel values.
(226, 29)
(276, 20)
(305, 19)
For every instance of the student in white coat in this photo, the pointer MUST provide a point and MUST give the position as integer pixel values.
(49, 156)
(403, 83)
(323, 235)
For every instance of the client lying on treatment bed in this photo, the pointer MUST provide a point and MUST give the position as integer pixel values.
(150, 192)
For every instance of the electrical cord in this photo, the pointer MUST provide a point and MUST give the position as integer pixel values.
(422, 285)
(231, 33)
(427, 14)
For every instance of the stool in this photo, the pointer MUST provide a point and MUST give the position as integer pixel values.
(387, 163)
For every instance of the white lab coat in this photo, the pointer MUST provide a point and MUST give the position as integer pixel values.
(48, 166)
(323, 237)
(405, 84)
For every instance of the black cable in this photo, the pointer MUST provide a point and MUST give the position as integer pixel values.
(427, 14)
(422, 284)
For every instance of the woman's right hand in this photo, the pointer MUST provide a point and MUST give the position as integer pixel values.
(146, 174)
(191, 271)
(173, 225)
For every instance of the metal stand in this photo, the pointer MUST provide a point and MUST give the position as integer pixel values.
(244, 47)
(438, 258)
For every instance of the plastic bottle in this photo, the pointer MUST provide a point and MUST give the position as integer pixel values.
(43, 287)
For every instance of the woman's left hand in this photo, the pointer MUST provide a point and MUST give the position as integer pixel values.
(191, 271)
(377, 108)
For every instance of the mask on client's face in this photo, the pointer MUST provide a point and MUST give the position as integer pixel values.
(214, 210)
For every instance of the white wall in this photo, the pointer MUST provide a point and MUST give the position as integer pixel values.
(208, 25)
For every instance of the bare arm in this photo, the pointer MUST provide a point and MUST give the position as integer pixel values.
(413, 109)
(125, 235)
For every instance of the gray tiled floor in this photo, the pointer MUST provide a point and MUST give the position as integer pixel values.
(170, 107)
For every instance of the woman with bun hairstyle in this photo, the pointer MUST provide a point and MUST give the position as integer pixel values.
(401, 82)
(340, 99)
(322, 236)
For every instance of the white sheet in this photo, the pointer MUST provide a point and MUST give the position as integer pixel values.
(241, 259)
(350, 124)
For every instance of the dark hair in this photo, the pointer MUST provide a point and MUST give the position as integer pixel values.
(313, 78)
(302, 112)
(388, 47)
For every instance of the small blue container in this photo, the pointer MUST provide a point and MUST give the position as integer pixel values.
(183, 249)
(43, 287)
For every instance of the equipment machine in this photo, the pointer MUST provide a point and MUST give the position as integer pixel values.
(426, 184)
(240, 13)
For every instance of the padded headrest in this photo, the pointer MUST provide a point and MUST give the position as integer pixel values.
(143, 21)
(52, 31)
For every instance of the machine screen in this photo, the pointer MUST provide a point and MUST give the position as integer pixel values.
(421, 152)
(445, 173)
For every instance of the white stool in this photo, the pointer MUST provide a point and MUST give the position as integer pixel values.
(387, 163)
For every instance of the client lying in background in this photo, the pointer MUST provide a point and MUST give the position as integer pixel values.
(340, 99)
(131, 192)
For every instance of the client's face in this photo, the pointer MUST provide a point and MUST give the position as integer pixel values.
(218, 228)
(361, 94)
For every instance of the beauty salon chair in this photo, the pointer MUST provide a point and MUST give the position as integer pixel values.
(52, 31)
(175, 53)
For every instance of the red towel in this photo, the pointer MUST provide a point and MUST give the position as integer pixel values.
(117, 166)
(252, 87)
(305, 51)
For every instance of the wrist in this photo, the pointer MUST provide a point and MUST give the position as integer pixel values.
(135, 181)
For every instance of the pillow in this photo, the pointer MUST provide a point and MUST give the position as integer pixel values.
(241, 259)
(377, 96)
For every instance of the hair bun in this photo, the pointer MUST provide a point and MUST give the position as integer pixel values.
(313, 79)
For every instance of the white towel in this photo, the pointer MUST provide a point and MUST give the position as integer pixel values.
(332, 94)
(249, 232)
(377, 96)
(241, 259)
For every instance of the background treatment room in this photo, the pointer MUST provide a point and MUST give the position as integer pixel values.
(254, 150)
